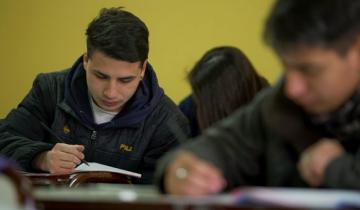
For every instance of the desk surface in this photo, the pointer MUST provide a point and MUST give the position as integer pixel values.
(116, 196)
(120, 196)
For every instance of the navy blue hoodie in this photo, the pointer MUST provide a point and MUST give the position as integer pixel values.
(140, 105)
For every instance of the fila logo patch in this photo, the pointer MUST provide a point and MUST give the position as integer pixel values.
(66, 129)
(126, 148)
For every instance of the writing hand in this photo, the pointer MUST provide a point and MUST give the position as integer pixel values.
(61, 159)
(188, 175)
(316, 158)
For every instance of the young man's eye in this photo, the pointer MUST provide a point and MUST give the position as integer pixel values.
(100, 76)
(125, 80)
(307, 70)
(312, 71)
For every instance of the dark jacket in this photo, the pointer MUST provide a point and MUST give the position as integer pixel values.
(133, 140)
(260, 145)
(188, 108)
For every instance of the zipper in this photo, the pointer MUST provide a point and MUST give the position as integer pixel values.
(93, 135)
(90, 150)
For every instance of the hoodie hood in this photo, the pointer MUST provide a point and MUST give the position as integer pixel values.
(139, 106)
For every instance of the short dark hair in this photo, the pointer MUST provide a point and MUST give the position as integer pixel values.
(119, 34)
(325, 23)
(222, 81)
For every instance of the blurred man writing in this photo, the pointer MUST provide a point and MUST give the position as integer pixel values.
(303, 132)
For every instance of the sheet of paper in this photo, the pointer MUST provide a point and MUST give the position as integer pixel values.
(101, 167)
(299, 198)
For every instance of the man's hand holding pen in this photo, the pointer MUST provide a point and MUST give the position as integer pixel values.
(61, 159)
(315, 159)
(188, 175)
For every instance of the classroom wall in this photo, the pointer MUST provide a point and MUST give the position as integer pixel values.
(42, 36)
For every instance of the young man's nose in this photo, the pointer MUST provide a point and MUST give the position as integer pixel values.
(111, 90)
(295, 85)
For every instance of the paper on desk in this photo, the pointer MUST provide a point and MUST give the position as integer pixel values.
(299, 198)
(101, 167)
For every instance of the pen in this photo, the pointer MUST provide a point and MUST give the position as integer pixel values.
(58, 138)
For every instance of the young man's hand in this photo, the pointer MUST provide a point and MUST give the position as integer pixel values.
(188, 175)
(316, 158)
(61, 159)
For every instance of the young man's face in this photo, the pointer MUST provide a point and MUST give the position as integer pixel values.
(320, 80)
(112, 82)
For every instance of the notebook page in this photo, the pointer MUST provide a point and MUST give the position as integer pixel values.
(101, 167)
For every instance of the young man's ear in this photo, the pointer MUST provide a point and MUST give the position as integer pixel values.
(143, 69)
(85, 60)
(356, 52)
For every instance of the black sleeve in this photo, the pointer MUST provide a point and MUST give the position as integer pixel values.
(164, 139)
(344, 172)
(20, 132)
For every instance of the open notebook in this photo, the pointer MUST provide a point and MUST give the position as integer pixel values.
(101, 167)
(92, 167)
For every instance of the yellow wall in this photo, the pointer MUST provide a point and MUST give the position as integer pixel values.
(46, 35)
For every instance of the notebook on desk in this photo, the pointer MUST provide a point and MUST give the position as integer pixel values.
(92, 173)
(104, 168)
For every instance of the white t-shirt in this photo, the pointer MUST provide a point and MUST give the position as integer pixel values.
(101, 115)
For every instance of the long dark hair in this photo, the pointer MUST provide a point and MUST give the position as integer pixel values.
(222, 81)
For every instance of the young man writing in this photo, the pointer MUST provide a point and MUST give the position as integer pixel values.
(107, 108)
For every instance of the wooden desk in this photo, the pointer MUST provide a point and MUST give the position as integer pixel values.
(77, 179)
(132, 197)
(127, 197)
